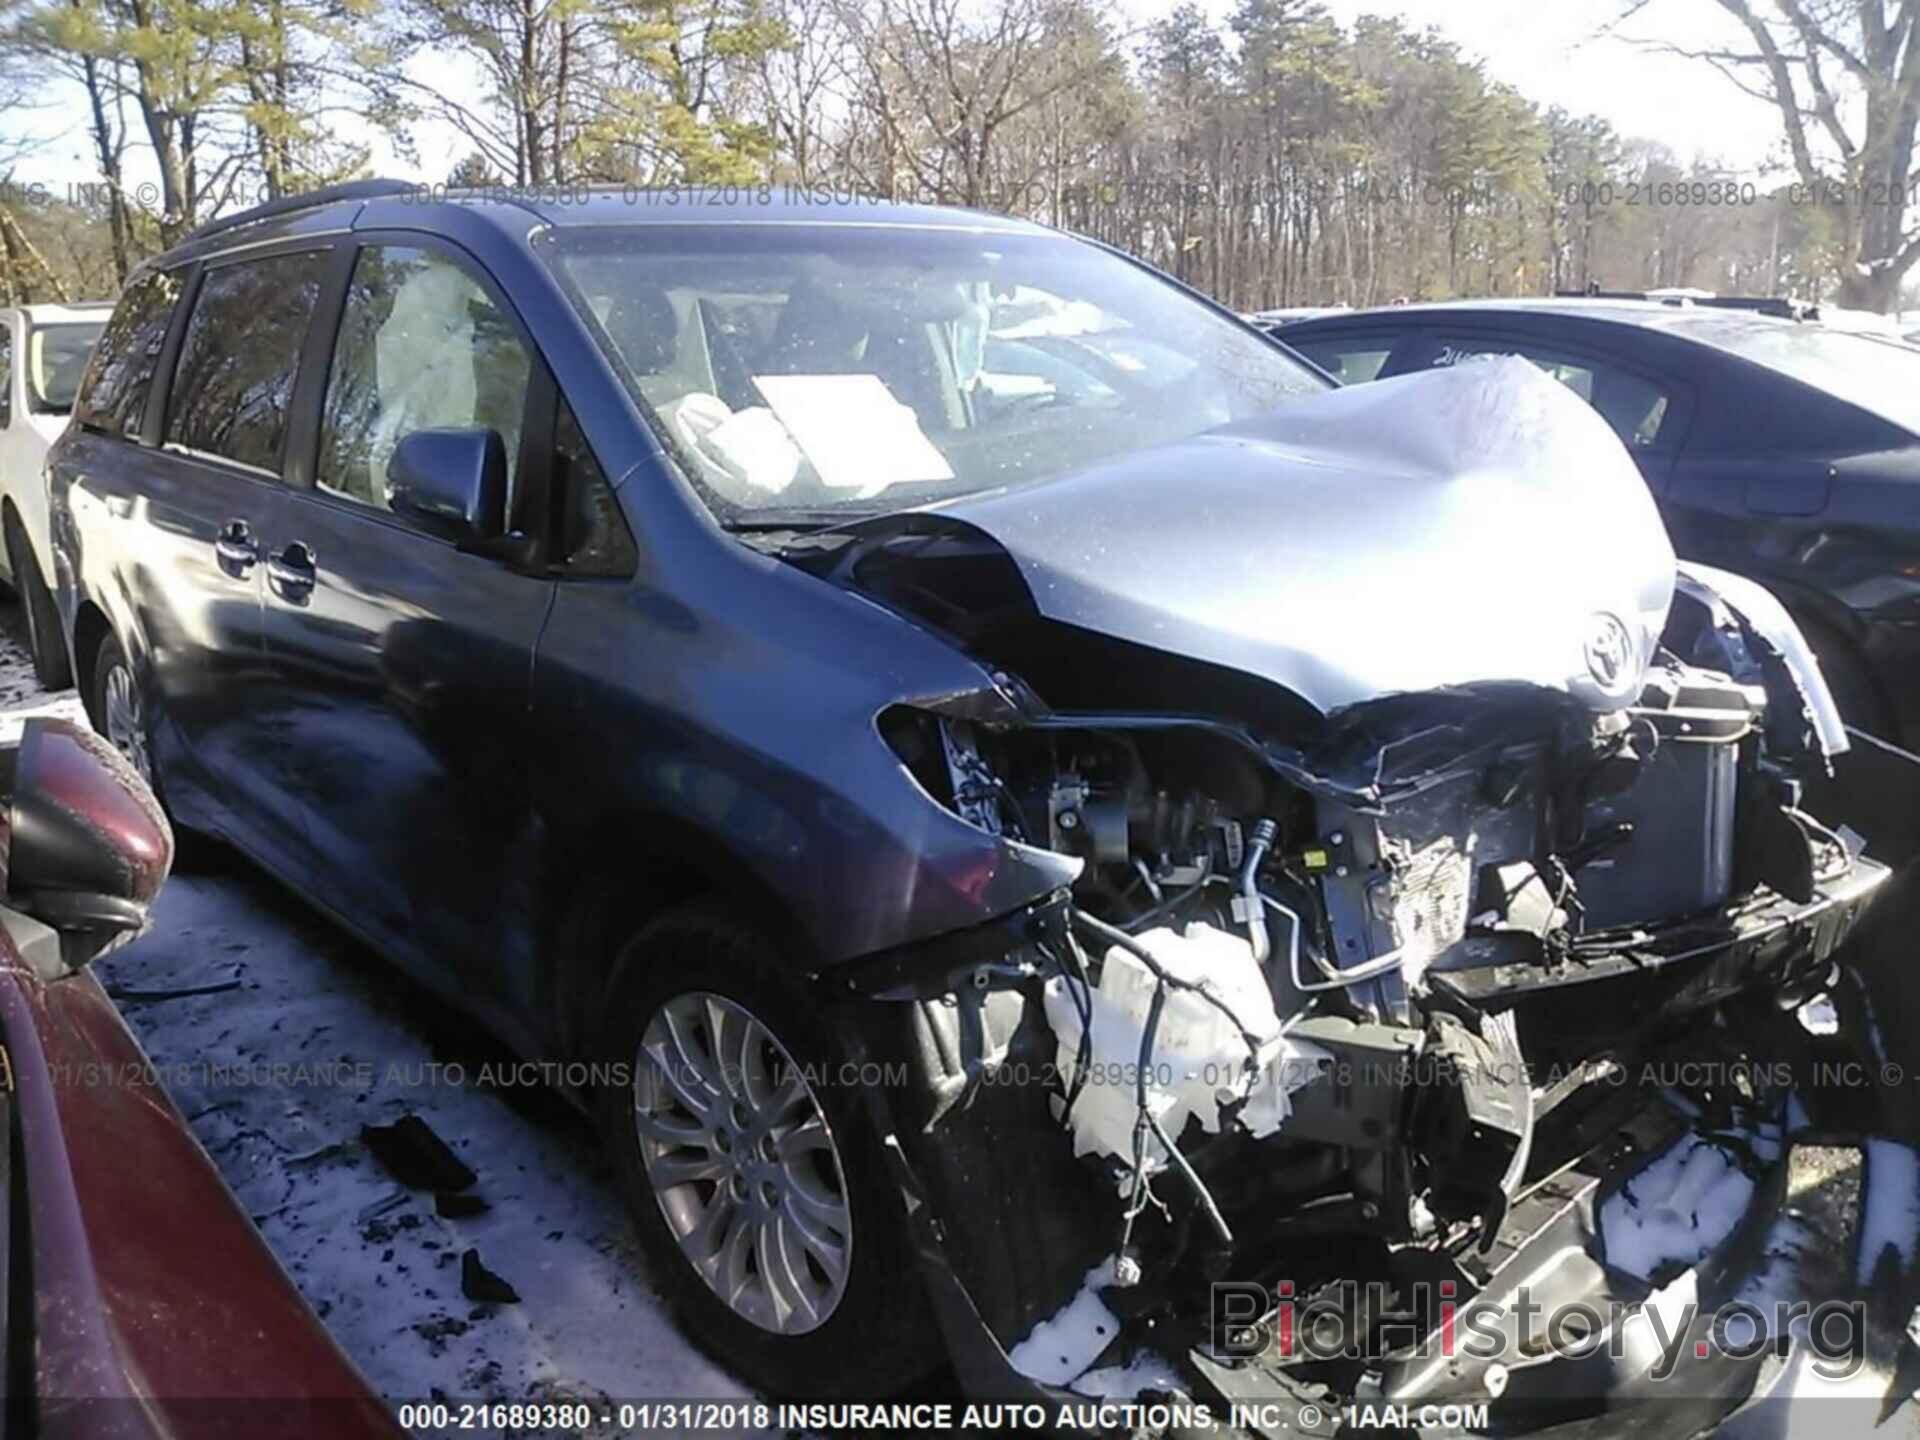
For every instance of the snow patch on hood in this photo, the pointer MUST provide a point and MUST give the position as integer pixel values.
(1470, 524)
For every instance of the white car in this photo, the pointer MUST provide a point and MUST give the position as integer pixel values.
(43, 350)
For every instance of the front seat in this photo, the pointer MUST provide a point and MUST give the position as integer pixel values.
(646, 331)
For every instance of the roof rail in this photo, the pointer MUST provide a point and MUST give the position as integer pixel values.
(1594, 292)
(306, 200)
(1779, 306)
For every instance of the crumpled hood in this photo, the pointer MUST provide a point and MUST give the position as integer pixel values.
(1470, 524)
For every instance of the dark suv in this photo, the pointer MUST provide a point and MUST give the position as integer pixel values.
(1779, 449)
(990, 765)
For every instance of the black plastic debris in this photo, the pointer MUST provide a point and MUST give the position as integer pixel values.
(121, 995)
(419, 1159)
(481, 1284)
(452, 1206)
(377, 1208)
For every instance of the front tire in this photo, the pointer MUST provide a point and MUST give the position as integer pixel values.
(50, 663)
(754, 1180)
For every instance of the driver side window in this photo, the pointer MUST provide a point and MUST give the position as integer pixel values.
(421, 346)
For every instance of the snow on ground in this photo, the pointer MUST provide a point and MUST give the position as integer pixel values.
(1684, 1203)
(1891, 1220)
(359, 1045)
(1064, 1346)
(1674, 1213)
(375, 1260)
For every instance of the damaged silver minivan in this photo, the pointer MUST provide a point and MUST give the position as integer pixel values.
(1073, 839)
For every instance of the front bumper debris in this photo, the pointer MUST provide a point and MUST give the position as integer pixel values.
(1766, 938)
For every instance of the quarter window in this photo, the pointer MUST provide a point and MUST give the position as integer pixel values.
(1351, 362)
(593, 539)
(113, 396)
(421, 346)
(233, 385)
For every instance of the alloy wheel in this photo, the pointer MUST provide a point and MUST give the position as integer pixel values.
(743, 1162)
(125, 718)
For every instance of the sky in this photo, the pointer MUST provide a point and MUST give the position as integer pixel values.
(1556, 52)
(1566, 53)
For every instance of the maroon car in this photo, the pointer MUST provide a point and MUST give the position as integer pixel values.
(138, 1299)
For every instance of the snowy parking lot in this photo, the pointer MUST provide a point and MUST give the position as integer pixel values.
(279, 1040)
(282, 1038)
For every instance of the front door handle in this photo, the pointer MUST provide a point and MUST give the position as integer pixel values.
(235, 549)
(293, 571)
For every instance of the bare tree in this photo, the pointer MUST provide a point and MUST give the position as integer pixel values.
(945, 79)
(1844, 78)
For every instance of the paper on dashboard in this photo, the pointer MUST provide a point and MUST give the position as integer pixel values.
(853, 432)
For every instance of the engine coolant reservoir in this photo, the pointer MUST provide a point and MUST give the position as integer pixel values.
(1200, 1058)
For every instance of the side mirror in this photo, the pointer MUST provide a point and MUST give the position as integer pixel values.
(454, 480)
(88, 846)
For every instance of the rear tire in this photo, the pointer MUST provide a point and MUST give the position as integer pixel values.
(119, 710)
(50, 663)
(195, 852)
(746, 1179)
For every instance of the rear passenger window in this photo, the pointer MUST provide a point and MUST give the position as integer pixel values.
(113, 396)
(233, 386)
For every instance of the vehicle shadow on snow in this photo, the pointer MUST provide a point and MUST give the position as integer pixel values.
(280, 1038)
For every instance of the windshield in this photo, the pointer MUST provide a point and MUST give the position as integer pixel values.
(57, 356)
(826, 372)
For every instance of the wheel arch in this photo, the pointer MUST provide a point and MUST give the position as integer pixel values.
(11, 522)
(1835, 631)
(91, 629)
(616, 874)
(1832, 643)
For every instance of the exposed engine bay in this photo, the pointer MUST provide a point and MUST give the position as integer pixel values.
(1354, 1009)
(1374, 990)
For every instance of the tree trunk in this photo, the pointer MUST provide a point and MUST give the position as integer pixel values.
(107, 151)
(1878, 292)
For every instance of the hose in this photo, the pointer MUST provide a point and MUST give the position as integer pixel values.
(1258, 843)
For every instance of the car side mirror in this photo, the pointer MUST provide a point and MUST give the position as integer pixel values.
(88, 846)
(454, 481)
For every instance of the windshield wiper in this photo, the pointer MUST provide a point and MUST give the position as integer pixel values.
(797, 519)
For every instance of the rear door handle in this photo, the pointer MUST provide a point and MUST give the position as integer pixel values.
(235, 549)
(293, 571)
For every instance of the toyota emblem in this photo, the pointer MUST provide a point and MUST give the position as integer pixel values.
(1609, 651)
